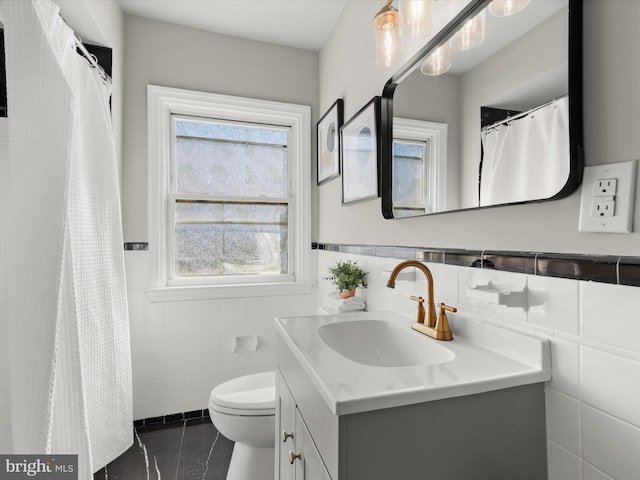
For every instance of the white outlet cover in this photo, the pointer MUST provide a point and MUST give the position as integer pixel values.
(622, 221)
(607, 186)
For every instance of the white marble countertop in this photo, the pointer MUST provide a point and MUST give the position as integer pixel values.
(485, 358)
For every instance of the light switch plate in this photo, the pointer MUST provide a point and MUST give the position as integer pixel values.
(625, 186)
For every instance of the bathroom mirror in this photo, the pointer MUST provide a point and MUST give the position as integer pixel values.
(494, 124)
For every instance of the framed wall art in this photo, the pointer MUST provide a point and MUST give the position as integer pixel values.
(328, 130)
(360, 143)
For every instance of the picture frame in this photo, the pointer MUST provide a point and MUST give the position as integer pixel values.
(361, 145)
(328, 146)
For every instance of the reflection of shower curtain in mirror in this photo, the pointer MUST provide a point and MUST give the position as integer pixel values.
(528, 158)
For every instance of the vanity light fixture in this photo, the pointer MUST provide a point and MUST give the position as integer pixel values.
(506, 8)
(416, 15)
(470, 35)
(387, 25)
(438, 62)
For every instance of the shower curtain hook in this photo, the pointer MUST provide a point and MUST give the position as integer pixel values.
(93, 60)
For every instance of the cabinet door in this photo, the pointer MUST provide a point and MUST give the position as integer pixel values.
(285, 431)
(309, 466)
(296, 455)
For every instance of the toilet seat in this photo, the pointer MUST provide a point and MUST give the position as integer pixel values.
(250, 395)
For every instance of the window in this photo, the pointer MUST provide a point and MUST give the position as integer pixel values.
(229, 200)
(411, 188)
(419, 167)
(229, 191)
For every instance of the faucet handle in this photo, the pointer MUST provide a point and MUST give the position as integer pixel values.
(443, 332)
(420, 314)
(444, 307)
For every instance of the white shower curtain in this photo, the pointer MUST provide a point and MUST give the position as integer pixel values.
(528, 158)
(69, 351)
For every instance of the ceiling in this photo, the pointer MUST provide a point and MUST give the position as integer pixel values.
(303, 24)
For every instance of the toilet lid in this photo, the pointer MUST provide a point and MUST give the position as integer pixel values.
(251, 392)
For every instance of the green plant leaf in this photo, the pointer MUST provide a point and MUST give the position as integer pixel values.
(347, 275)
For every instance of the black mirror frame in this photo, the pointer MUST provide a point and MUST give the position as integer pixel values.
(576, 142)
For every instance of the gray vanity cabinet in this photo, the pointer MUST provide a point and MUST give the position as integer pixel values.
(296, 455)
(494, 435)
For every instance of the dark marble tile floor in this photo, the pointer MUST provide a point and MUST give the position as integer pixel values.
(185, 450)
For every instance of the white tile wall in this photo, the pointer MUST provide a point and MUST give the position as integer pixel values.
(591, 473)
(561, 463)
(607, 314)
(5, 407)
(612, 384)
(611, 445)
(563, 420)
(553, 303)
(565, 367)
(181, 350)
(593, 398)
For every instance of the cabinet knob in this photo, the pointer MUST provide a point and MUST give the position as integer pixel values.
(286, 435)
(293, 456)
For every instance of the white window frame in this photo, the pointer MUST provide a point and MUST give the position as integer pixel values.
(434, 135)
(162, 103)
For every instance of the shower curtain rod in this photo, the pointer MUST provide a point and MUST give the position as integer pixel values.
(91, 58)
(522, 114)
(93, 61)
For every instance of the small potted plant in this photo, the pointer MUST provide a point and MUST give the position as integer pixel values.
(346, 277)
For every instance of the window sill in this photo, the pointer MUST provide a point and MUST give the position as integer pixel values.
(211, 292)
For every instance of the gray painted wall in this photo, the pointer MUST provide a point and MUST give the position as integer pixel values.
(612, 116)
(174, 56)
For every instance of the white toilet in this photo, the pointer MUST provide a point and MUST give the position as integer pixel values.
(243, 410)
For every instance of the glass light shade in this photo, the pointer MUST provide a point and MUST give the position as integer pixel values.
(416, 16)
(386, 26)
(387, 18)
(506, 8)
(470, 35)
(387, 47)
(438, 63)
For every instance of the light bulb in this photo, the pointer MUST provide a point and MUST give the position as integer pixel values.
(506, 8)
(438, 62)
(388, 21)
(470, 35)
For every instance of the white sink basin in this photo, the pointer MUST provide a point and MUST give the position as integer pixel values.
(382, 344)
(363, 361)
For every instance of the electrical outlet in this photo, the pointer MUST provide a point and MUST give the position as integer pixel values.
(605, 186)
(603, 208)
(607, 199)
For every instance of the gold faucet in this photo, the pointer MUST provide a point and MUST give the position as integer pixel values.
(437, 328)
